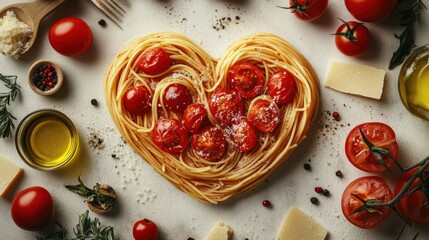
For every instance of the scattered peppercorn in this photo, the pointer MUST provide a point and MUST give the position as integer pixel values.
(113, 155)
(326, 193)
(189, 238)
(45, 77)
(336, 116)
(307, 166)
(102, 23)
(339, 174)
(266, 203)
(94, 102)
(314, 200)
(318, 189)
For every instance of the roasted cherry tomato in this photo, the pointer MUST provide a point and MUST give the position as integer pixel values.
(70, 36)
(194, 117)
(352, 38)
(226, 106)
(145, 229)
(247, 79)
(209, 143)
(33, 208)
(263, 115)
(177, 97)
(169, 135)
(282, 87)
(413, 205)
(243, 134)
(308, 10)
(137, 100)
(370, 10)
(154, 61)
(380, 135)
(370, 187)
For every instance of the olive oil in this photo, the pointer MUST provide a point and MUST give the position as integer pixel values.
(414, 83)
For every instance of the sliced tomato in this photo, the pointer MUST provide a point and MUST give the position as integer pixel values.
(243, 135)
(169, 135)
(226, 106)
(137, 100)
(177, 97)
(380, 135)
(247, 79)
(154, 61)
(194, 117)
(366, 188)
(282, 87)
(209, 143)
(263, 115)
(413, 205)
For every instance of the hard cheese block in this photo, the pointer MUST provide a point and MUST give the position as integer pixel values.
(220, 231)
(299, 226)
(9, 173)
(356, 79)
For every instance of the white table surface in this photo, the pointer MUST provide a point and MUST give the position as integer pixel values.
(142, 192)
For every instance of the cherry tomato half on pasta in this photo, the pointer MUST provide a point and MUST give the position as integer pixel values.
(70, 36)
(209, 143)
(263, 115)
(194, 116)
(154, 61)
(169, 135)
(370, 10)
(137, 100)
(243, 135)
(308, 10)
(282, 87)
(145, 229)
(413, 205)
(246, 79)
(369, 187)
(33, 208)
(226, 106)
(358, 153)
(352, 38)
(177, 97)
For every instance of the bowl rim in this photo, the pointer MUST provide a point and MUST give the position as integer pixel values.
(60, 77)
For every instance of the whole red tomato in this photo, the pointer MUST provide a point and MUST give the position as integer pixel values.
(370, 10)
(154, 61)
(352, 38)
(308, 10)
(137, 100)
(145, 229)
(33, 208)
(366, 188)
(70, 36)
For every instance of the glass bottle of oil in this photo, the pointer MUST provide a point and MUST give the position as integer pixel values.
(414, 82)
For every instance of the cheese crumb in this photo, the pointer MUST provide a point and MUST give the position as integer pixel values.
(15, 35)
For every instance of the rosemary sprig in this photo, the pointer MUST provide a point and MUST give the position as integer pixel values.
(58, 235)
(406, 39)
(6, 118)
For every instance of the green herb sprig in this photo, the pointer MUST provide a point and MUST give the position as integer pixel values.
(6, 118)
(406, 39)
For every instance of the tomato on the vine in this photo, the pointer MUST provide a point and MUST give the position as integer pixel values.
(366, 188)
(169, 135)
(370, 10)
(308, 10)
(352, 38)
(209, 143)
(33, 208)
(413, 205)
(226, 106)
(282, 87)
(194, 117)
(145, 229)
(70, 36)
(263, 115)
(380, 135)
(243, 135)
(176, 97)
(154, 61)
(137, 100)
(247, 79)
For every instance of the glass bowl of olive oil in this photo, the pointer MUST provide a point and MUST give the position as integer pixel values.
(414, 82)
(47, 139)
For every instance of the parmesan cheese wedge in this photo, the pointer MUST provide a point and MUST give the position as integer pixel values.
(9, 173)
(299, 226)
(220, 231)
(356, 79)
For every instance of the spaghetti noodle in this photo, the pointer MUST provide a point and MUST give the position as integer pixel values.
(235, 172)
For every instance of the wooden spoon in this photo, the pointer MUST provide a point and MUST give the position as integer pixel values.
(32, 13)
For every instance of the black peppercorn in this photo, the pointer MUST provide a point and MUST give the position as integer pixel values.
(314, 200)
(339, 174)
(102, 22)
(94, 102)
(307, 166)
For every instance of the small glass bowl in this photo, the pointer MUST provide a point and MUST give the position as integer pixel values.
(47, 140)
(58, 82)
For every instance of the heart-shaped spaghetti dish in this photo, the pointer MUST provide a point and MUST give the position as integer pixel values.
(213, 128)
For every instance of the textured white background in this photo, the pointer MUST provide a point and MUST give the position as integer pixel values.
(144, 193)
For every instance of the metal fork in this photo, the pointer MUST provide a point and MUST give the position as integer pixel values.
(111, 9)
